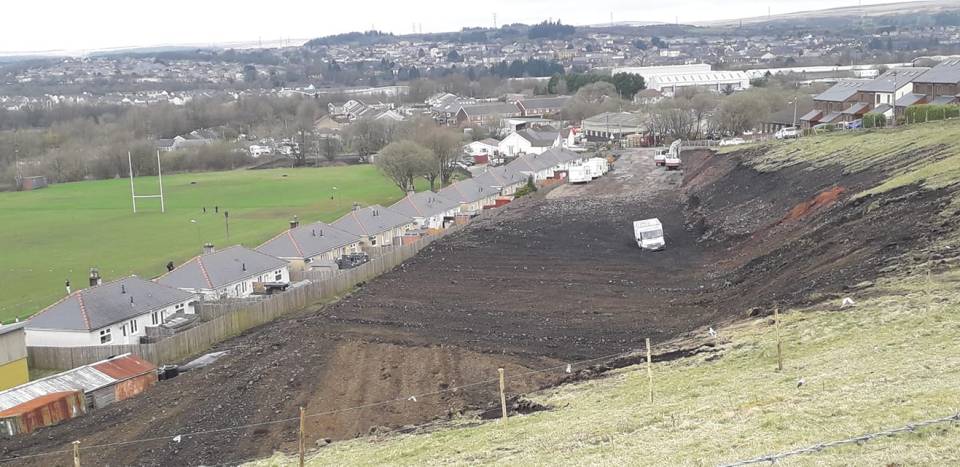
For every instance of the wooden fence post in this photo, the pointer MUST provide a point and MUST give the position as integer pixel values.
(503, 396)
(302, 442)
(649, 371)
(776, 322)
(76, 453)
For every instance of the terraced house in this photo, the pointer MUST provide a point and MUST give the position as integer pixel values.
(234, 272)
(110, 313)
(312, 246)
(376, 225)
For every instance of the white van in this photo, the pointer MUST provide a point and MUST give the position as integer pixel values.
(649, 234)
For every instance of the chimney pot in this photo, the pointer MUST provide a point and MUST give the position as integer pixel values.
(95, 279)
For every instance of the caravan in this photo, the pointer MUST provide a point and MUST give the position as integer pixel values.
(649, 234)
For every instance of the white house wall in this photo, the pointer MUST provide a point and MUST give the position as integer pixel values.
(62, 338)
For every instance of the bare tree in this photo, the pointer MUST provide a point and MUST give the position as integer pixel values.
(402, 162)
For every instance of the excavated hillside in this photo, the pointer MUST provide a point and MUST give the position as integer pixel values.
(551, 279)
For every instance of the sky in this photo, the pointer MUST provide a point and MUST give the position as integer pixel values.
(79, 26)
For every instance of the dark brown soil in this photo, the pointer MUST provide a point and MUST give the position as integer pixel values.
(549, 280)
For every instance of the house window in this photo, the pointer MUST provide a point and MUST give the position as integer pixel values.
(133, 326)
(105, 336)
(178, 307)
(279, 276)
(154, 318)
(123, 330)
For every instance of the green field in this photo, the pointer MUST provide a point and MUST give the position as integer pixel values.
(51, 235)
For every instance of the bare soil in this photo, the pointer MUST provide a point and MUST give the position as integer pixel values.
(548, 280)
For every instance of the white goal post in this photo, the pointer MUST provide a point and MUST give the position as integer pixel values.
(133, 192)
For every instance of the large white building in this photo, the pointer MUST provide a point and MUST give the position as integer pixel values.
(669, 79)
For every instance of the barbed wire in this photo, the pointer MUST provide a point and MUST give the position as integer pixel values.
(816, 448)
(411, 398)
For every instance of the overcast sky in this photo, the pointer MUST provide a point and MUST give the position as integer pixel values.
(40, 25)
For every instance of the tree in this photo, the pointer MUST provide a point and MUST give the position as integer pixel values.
(368, 136)
(402, 162)
(331, 147)
(306, 116)
(454, 56)
(249, 73)
(628, 84)
(443, 143)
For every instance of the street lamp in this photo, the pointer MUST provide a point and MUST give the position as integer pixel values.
(336, 199)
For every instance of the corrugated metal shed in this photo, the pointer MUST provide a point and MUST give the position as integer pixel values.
(90, 378)
(40, 412)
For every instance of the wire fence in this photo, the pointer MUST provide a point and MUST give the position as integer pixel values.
(179, 437)
(858, 440)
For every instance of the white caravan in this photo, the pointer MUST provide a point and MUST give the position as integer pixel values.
(649, 234)
(579, 174)
(597, 166)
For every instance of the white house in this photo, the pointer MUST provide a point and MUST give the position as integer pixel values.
(471, 196)
(545, 165)
(529, 142)
(233, 272)
(484, 147)
(504, 180)
(116, 312)
(304, 247)
(429, 210)
(375, 225)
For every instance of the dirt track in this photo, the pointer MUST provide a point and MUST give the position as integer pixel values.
(547, 280)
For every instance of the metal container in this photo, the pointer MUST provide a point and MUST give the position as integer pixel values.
(47, 410)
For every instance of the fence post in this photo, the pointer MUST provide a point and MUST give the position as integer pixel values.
(503, 396)
(649, 372)
(302, 442)
(76, 453)
(776, 322)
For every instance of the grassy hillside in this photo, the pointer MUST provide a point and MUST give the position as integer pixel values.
(928, 154)
(888, 361)
(58, 233)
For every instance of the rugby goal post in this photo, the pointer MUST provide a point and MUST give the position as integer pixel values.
(133, 192)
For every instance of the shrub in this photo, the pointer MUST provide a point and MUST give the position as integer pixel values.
(527, 189)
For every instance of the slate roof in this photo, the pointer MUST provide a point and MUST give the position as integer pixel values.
(615, 119)
(499, 177)
(539, 138)
(467, 191)
(841, 91)
(493, 108)
(537, 162)
(102, 305)
(424, 204)
(855, 109)
(910, 99)
(830, 117)
(545, 102)
(882, 108)
(894, 79)
(944, 100)
(371, 220)
(221, 268)
(947, 72)
(307, 241)
(811, 116)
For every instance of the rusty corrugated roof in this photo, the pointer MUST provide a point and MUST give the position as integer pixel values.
(36, 403)
(125, 367)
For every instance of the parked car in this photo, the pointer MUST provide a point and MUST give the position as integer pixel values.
(787, 133)
(732, 141)
(856, 124)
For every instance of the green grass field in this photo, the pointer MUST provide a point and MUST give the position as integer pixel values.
(51, 235)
